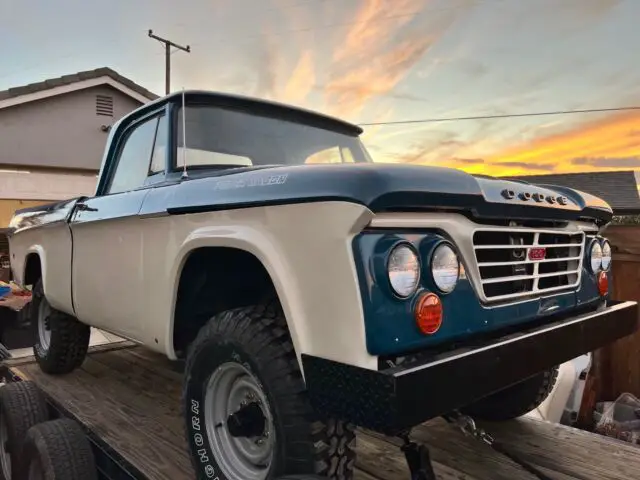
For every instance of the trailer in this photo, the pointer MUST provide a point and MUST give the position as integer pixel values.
(126, 399)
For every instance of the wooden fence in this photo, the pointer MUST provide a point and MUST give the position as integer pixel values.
(617, 366)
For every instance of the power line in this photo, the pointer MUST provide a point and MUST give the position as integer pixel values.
(167, 55)
(488, 117)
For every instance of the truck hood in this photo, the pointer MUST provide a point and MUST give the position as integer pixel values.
(385, 187)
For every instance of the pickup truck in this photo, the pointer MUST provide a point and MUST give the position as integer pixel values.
(309, 289)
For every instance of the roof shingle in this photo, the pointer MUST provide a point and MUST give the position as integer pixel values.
(618, 189)
(73, 78)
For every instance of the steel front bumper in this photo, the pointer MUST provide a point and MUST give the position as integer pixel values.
(398, 398)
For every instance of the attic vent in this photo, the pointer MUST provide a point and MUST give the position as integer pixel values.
(104, 105)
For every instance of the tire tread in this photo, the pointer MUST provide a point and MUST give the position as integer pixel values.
(263, 332)
(63, 449)
(69, 339)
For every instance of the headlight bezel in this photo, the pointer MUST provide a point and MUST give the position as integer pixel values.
(450, 246)
(606, 242)
(414, 251)
(593, 244)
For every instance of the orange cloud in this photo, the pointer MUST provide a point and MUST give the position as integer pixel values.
(377, 52)
(616, 137)
(350, 92)
(608, 143)
(373, 26)
(301, 80)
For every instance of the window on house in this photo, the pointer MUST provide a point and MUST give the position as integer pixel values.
(133, 162)
(104, 105)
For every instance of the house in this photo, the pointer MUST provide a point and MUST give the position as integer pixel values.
(52, 136)
(618, 188)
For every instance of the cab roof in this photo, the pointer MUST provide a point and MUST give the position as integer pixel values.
(257, 106)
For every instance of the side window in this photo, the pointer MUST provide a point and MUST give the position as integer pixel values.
(347, 156)
(132, 166)
(331, 155)
(159, 147)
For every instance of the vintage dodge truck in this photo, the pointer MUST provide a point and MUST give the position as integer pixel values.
(309, 289)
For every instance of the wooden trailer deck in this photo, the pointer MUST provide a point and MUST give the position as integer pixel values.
(130, 398)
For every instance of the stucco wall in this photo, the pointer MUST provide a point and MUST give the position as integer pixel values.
(60, 132)
(46, 186)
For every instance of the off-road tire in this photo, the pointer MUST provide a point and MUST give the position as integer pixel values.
(62, 451)
(22, 405)
(258, 337)
(69, 338)
(516, 400)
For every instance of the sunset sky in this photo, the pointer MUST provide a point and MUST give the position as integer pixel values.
(372, 61)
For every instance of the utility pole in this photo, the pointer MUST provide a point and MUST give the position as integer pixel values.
(167, 53)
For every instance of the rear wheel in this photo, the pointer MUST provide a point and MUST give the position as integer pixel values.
(58, 450)
(516, 400)
(22, 406)
(61, 342)
(246, 410)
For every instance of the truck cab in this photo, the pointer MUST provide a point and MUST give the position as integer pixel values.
(308, 287)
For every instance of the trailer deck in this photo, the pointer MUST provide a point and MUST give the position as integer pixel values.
(128, 400)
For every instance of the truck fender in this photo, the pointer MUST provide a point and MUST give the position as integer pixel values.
(40, 253)
(267, 252)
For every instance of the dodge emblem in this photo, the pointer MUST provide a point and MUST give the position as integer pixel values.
(537, 253)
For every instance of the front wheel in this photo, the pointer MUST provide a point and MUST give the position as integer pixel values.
(246, 410)
(60, 341)
(516, 400)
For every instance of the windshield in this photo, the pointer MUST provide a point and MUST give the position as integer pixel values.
(218, 136)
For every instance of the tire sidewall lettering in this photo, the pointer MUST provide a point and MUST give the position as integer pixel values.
(205, 361)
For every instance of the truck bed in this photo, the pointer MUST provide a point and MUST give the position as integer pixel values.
(128, 400)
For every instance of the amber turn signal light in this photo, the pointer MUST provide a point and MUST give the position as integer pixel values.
(428, 313)
(603, 283)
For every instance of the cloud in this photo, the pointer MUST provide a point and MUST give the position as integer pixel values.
(373, 26)
(468, 161)
(301, 80)
(481, 165)
(610, 142)
(351, 91)
(267, 62)
(608, 162)
(379, 49)
(613, 136)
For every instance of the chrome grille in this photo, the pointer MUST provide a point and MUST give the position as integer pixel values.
(510, 269)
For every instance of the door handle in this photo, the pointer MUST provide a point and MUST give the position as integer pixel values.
(85, 207)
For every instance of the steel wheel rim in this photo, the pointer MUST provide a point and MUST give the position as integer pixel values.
(44, 330)
(242, 458)
(5, 458)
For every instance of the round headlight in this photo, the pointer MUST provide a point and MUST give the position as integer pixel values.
(404, 270)
(606, 255)
(595, 256)
(445, 268)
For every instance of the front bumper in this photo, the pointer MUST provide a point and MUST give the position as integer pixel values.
(402, 397)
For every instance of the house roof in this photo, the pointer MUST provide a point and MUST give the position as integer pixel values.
(73, 82)
(618, 189)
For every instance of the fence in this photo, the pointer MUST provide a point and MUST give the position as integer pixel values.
(617, 366)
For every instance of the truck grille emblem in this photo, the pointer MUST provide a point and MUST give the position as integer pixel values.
(537, 253)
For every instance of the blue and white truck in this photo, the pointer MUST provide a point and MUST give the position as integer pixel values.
(309, 289)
